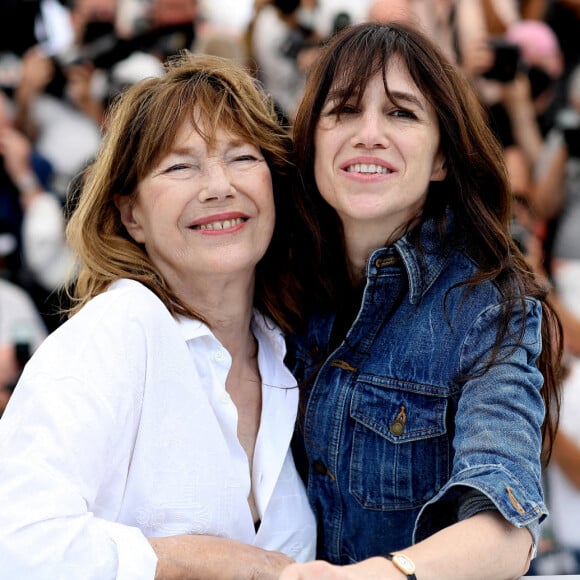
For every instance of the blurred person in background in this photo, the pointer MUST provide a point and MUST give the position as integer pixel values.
(529, 100)
(43, 251)
(21, 171)
(458, 27)
(61, 98)
(22, 331)
(563, 17)
(555, 199)
(281, 32)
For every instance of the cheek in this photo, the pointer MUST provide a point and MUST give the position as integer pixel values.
(326, 185)
(263, 185)
(322, 173)
(323, 157)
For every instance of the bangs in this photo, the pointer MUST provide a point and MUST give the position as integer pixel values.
(213, 109)
(207, 103)
(350, 82)
(351, 64)
(225, 99)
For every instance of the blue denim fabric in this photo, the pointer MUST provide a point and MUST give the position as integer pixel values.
(392, 434)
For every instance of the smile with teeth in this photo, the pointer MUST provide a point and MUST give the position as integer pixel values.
(220, 225)
(367, 168)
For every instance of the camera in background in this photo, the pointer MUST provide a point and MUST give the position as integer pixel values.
(506, 63)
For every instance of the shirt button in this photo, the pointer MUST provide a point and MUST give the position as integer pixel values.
(224, 398)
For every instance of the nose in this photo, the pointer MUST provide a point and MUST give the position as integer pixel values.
(217, 184)
(371, 131)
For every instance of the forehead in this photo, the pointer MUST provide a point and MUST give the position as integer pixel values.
(207, 119)
(213, 135)
(393, 75)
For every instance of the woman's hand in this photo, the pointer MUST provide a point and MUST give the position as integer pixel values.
(37, 72)
(319, 570)
(189, 556)
(15, 148)
(371, 569)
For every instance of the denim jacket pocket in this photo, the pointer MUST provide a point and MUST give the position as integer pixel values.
(400, 450)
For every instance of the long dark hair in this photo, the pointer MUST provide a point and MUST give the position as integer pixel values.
(476, 187)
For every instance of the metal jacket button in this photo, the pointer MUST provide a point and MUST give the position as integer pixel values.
(397, 427)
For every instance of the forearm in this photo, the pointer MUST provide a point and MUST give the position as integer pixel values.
(526, 131)
(482, 547)
(23, 98)
(570, 324)
(534, 9)
(549, 189)
(190, 557)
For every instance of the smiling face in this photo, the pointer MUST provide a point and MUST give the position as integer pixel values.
(374, 159)
(204, 210)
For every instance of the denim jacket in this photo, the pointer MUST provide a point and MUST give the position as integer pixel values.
(392, 432)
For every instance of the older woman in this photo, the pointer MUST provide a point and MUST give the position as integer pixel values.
(149, 435)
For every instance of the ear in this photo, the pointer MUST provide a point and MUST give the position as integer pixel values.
(126, 206)
(439, 171)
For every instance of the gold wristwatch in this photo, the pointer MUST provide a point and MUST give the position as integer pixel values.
(404, 564)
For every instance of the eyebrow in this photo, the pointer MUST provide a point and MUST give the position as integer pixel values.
(188, 150)
(407, 97)
(398, 96)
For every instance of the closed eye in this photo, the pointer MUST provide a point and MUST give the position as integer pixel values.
(178, 167)
(246, 157)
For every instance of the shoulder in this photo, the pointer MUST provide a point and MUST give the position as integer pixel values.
(126, 315)
(124, 298)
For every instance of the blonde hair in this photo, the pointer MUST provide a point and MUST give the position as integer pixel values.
(141, 128)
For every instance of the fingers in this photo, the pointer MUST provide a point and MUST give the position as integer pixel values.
(316, 570)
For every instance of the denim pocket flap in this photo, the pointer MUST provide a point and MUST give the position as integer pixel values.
(398, 412)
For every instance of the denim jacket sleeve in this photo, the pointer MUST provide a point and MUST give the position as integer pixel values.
(497, 439)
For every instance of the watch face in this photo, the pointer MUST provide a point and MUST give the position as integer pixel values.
(404, 564)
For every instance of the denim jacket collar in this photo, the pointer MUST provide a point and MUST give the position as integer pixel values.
(423, 266)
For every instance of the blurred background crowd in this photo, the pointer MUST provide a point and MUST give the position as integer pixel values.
(63, 61)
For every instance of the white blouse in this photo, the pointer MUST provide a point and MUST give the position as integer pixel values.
(121, 429)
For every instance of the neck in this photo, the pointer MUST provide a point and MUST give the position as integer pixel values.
(359, 246)
(362, 238)
(226, 303)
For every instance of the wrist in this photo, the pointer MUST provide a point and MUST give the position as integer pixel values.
(403, 563)
(27, 184)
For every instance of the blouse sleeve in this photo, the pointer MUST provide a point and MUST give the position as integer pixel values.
(70, 423)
